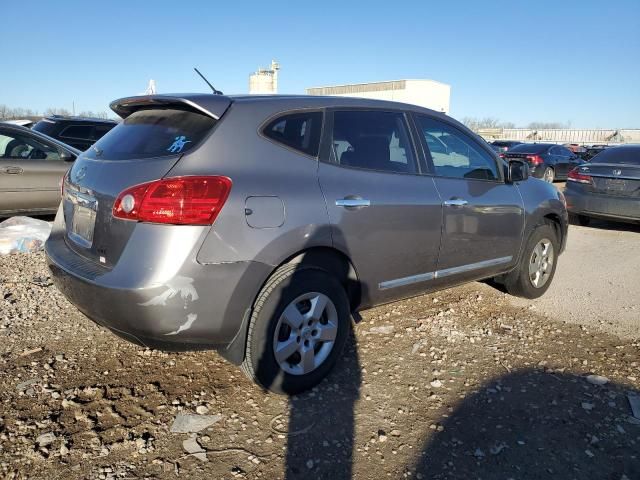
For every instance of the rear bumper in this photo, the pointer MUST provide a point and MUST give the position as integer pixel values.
(196, 307)
(603, 206)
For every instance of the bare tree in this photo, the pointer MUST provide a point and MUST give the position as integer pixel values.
(57, 111)
(89, 113)
(487, 122)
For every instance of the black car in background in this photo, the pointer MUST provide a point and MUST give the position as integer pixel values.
(607, 187)
(79, 132)
(546, 160)
(504, 145)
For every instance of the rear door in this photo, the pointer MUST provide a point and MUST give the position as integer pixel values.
(385, 216)
(30, 172)
(483, 217)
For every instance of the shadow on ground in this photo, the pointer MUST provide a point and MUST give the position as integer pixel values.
(537, 425)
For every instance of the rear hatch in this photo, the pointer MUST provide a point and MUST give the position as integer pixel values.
(155, 133)
(615, 179)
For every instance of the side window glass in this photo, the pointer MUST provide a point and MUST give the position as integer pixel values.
(454, 153)
(23, 147)
(77, 131)
(372, 140)
(300, 131)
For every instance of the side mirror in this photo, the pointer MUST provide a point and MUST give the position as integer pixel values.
(517, 171)
(67, 156)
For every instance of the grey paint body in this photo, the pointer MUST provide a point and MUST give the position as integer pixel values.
(193, 287)
(28, 185)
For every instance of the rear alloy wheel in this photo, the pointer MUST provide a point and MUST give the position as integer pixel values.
(532, 277)
(549, 175)
(298, 328)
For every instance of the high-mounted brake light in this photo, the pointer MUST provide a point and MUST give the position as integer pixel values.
(175, 201)
(535, 159)
(576, 176)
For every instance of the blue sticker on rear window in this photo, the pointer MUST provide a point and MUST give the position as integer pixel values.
(178, 144)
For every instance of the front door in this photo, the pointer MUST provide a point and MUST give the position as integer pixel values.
(483, 217)
(385, 216)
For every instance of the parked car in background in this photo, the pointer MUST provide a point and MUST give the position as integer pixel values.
(79, 132)
(546, 160)
(592, 151)
(607, 187)
(31, 168)
(256, 225)
(22, 122)
(504, 145)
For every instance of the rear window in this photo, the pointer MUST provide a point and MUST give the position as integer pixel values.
(529, 148)
(626, 155)
(153, 133)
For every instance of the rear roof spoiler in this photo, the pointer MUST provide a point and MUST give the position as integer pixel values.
(211, 105)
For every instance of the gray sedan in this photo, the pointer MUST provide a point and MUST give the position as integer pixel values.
(608, 187)
(31, 168)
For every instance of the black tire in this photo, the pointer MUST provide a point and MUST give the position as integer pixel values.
(518, 282)
(549, 175)
(581, 220)
(284, 286)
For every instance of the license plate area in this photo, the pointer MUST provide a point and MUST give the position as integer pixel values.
(83, 219)
(615, 184)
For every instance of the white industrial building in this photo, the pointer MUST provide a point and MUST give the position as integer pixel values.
(425, 93)
(265, 80)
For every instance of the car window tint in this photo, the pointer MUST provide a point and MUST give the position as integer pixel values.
(100, 130)
(155, 132)
(455, 154)
(300, 131)
(24, 147)
(373, 140)
(77, 131)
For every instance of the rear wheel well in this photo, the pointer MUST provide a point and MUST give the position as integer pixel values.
(336, 263)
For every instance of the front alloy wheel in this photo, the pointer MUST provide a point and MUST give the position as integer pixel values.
(541, 263)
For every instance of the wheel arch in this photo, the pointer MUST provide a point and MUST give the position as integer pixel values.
(329, 259)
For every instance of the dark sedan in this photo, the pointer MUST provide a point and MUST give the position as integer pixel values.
(31, 167)
(607, 187)
(504, 145)
(546, 160)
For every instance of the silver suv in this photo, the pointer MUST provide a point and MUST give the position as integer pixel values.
(257, 225)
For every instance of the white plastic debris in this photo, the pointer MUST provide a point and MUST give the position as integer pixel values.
(23, 235)
(190, 423)
(597, 379)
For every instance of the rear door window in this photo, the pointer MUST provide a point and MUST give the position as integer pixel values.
(82, 132)
(153, 133)
(300, 131)
(372, 140)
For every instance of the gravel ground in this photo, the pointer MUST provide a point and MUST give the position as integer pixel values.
(459, 384)
(597, 281)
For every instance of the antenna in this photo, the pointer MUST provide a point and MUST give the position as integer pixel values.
(213, 89)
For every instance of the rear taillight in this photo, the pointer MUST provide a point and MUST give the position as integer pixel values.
(502, 155)
(176, 201)
(535, 159)
(576, 176)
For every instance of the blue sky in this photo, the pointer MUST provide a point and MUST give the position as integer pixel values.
(564, 61)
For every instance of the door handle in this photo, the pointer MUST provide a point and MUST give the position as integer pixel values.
(12, 170)
(353, 202)
(455, 202)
